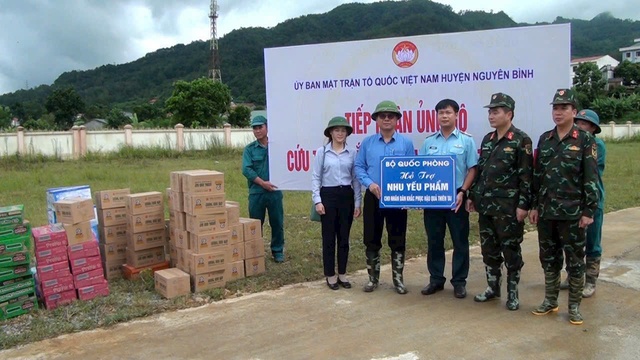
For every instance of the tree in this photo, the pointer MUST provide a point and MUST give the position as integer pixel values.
(201, 101)
(117, 119)
(5, 117)
(589, 83)
(64, 104)
(240, 116)
(148, 111)
(629, 72)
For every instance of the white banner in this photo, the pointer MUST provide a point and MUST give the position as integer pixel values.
(308, 85)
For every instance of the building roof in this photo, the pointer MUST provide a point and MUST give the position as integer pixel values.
(631, 48)
(586, 59)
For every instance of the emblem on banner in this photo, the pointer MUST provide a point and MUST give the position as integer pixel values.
(405, 54)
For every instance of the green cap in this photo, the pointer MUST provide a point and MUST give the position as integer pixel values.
(565, 96)
(258, 120)
(386, 106)
(590, 116)
(502, 100)
(338, 121)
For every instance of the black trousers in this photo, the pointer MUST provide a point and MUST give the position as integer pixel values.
(435, 222)
(336, 223)
(374, 219)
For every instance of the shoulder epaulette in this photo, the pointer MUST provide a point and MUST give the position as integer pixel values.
(428, 136)
(465, 133)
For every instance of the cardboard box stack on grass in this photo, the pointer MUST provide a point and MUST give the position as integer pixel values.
(146, 234)
(17, 285)
(69, 192)
(112, 227)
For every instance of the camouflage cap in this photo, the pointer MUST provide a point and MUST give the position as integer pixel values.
(590, 116)
(258, 120)
(502, 100)
(565, 96)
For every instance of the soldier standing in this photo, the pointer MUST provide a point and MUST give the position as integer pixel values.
(501, 193)
(564, 199)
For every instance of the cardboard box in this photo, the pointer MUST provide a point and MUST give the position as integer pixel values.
(208, 223)
(49, 236)
(203, 263)
(177, 220)
(254, 248)
(129, 272)
(15, 258)
(112, 216)
(15, 244)
(108, 199)
(82, 265)
(9, 232)
(235, 271)
(63, 298)
(93, 291)
(197, 204)
(200, 182)
(145, 222)
(66, 192)
(171, 283)
(146, 202)
(205, 243)
(114, 251)
(112, 269)
(181, 238)
(113, 234)
(176, 178)
(233, 212)
(208, 280)
(175, 200)
(237, 235)
(251, 229)
(254, 266)
(11, 215)
(52, 271)
(236, 252)
(146, 240)
(83, 250)
(19, 306)
(52, 256)
(14, 272)
(74, 210)
(146, 257)
(57, 285)
(88, 278)
(13, 285)
(78, 233)
(181, 263)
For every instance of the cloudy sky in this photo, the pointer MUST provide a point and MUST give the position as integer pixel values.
(40, 39)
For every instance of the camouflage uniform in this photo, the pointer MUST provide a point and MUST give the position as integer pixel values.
(564, 190)
(502, 184)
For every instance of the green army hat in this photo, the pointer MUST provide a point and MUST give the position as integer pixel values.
(590, 116)
(258, 120)
(338, 121)
(386, 106)
(565, 96)
(502, 100)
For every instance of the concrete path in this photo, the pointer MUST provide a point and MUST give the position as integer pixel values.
(309, 321)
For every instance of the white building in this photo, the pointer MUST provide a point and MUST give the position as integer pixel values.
(631, 53)
(605, 63)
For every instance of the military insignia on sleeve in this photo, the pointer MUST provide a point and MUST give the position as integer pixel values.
(510, 136)
(527, 149)
(573, 148)
(574, 134)
(508, 149)
(594, 150)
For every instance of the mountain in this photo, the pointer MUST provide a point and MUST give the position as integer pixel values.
(242, 59)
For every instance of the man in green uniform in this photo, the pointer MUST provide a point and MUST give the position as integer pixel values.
(501, 193)
(564, 200)
(263, 195)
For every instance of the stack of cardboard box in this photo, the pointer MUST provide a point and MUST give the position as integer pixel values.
(146, 236)
(17, 286)
(55, 282)
(253, 246)
(112, 227)
(67, 192)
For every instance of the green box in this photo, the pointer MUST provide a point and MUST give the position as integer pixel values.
(9, 232)
(15, 245)
(16, 284)
(14, 272)
(13, 259)
(15, 294)
(11, 215)
(18, 306)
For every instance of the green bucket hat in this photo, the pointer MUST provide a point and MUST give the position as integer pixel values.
(258, 120)
(386, 106)
(338, 121)
(502, 100)
(590, 116)
(565, 96)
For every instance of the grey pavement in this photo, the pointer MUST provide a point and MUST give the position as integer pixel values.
(309, 321)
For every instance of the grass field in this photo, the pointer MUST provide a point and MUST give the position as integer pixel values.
(24, 181)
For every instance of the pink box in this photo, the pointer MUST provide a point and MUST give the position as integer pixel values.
(55, 300)
(88, 278)
(51, 256)
(57, 285)
(90, 292)
(53, 271)
(83, 250)
(82, 265)
(49, 236)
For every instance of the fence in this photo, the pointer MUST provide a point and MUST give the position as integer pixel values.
(78, 141)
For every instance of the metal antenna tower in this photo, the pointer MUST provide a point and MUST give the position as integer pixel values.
(214, 65)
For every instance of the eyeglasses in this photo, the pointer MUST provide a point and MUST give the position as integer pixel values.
(383, 116)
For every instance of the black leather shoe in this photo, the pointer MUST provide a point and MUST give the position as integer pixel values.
(459, 291)
(431, 289)
(345, 284)
(332, 286)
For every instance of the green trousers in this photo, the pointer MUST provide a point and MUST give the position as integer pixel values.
(270, 201)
